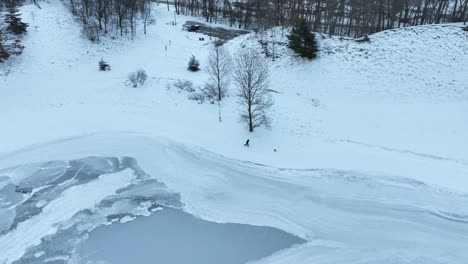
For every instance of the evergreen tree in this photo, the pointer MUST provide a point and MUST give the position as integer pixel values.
(103, 65)
(9, 48)
(13, 20)
(194, 64)
(302, 41)
(16, 48)
(4, 53)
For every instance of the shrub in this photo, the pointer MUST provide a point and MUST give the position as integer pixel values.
(141, 76)
(210, 91)
(91, 31)
(184, 85)
(137, 78)
(199, 97)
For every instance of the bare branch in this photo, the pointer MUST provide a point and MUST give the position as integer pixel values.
(219, 68)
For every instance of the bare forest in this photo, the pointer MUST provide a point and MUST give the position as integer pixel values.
(352, 18)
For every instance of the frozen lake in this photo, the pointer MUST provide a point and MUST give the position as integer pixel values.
(77, 211)
(173, 236)
(108, 210)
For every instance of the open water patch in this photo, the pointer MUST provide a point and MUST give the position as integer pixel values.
(174, 236)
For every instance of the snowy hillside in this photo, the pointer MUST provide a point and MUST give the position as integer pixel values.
(363, 134)
(400, 99)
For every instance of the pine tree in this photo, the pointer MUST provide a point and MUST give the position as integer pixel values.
(302, 41)
(193, 64)
(103, 65)
(15, 25)
(4, 53)
(9, 48)
(16, 48)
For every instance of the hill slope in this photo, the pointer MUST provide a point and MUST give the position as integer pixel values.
(396, 105)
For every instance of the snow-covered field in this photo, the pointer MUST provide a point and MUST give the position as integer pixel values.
(372, 157)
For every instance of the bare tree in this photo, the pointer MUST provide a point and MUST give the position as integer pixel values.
(145, 10)
(353, 18)
(219, 68)
(251, 78)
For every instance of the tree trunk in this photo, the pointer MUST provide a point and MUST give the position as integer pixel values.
(251, 127)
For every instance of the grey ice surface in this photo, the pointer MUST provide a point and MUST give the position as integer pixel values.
(354, 218)
(176, 236)
(43, 182)
(173, 236)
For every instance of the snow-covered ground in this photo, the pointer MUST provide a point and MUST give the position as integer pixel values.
(372, 157)
(396, 105)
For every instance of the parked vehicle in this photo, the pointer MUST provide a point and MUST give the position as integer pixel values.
(193, 28)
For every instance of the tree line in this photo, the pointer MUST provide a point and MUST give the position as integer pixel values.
(102, 16)
(352, 18)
